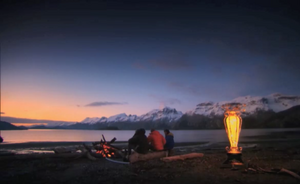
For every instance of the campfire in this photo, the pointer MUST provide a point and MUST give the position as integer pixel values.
(104, 148)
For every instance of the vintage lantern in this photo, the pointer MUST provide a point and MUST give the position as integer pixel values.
(233, 126)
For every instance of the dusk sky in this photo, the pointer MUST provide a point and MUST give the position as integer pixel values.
(68, 60)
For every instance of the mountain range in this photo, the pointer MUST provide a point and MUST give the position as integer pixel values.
(166, 114)
(260, 112)
(7, 126)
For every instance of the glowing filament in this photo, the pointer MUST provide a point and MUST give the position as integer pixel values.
(233, 125)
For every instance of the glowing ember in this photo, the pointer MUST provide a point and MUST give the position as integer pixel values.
(105, 150)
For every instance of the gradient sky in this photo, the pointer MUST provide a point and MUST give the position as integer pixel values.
(75, 59)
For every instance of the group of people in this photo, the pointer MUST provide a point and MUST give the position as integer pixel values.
(155, 141)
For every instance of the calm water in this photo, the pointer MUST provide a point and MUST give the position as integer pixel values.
(33, 135)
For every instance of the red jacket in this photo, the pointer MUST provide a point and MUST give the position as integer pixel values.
(157, 140)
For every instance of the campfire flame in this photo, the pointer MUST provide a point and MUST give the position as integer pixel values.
(105, 150)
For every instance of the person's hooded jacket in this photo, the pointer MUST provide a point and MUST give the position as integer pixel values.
(169, 141)
(140, 141)
(156, 140)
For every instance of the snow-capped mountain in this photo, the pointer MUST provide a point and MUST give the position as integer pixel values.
(274, 102)
(168, 114)
(122, 118)
(272, 111)
(94, 120)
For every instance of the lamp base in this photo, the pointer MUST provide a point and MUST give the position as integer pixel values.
(233, 159)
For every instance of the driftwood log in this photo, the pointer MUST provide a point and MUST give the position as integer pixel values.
(283, 170)
(182, 157)
(135, 157)
(62, 150)
(85, 151)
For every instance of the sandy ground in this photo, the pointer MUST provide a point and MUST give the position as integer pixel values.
(44, 168)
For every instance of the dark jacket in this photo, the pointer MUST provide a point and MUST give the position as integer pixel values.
(139, 140)
(169, 141)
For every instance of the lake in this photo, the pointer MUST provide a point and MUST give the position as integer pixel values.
(46, 135)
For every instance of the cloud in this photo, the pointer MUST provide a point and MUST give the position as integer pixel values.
(138, 65)
(223, 53)
(2, 112)
(276, 44)
(165, 101)
(33, 121)
(269, 78)
(288, 61)
(96, 104)
(212, 91)
(186, 88)
(172, 61)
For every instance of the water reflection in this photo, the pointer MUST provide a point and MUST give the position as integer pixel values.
(47, 135)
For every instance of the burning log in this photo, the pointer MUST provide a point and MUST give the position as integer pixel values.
(106, 151)
(69, 153)
(85, 152)
(103, 138)
(182, 157)
(104, 148)
(135, 157)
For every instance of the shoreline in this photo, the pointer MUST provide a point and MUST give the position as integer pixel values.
(51, 145)
(54, 168)
(48, 147)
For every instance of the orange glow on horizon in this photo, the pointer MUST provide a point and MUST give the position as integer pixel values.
(50, 104)
(51, 110)
(28, 124)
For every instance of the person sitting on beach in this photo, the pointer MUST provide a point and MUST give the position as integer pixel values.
(156, 140)
(138, 142)
(169, 141)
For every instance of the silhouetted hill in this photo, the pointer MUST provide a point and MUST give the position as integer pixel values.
(45, 127)
(23, 127)
(289, 118)
(7, 126)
